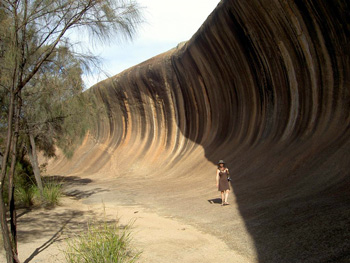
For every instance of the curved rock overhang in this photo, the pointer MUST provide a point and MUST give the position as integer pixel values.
(264, 85)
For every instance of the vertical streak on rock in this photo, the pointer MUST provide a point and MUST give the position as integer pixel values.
(294, 94)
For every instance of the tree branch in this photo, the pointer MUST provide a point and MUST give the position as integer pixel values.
(73, 20)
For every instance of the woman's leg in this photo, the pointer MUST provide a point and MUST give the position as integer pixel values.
(222, 197)
(226, 195)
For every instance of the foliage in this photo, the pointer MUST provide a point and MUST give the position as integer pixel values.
(83, 113)
(49, 100)
(29, 196)
(23, 182)
(52, 193)
(24, 197)
(103, 242)
(37, 58)
(27, 192)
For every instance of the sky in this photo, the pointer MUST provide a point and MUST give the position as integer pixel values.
(167, 23)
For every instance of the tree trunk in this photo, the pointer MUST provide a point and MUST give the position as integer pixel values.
(11, 186)
(35, 164)
(4, 227)
(1, 160)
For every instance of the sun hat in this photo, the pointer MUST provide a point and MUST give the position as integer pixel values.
(221, 161)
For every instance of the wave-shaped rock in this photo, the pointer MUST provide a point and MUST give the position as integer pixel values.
(263, 84)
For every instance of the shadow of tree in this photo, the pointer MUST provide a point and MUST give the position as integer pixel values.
(49, 242)
(45, 222)
(58, 224)
(79, 194)
(71, 180)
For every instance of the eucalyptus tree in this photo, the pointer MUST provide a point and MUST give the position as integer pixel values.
(31, 31)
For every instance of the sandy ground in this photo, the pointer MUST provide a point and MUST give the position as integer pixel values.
(160, 236)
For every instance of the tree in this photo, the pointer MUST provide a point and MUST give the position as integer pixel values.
(46, 105)
(31, 31)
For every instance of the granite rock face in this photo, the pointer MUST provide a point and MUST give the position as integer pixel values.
(264, 85)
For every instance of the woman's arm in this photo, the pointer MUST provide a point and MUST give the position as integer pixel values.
(228, 174)
(217, 177)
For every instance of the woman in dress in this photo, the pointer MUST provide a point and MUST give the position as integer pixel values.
(222, 182)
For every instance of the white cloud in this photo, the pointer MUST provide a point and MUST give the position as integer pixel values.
(167, 24)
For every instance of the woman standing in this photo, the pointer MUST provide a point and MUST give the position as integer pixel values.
(222, 181)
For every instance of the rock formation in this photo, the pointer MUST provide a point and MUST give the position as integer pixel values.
(264, 85)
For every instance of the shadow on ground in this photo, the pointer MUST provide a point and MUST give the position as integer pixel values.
(55, 225)
(71, 180)
(215, 201)
(73, 186)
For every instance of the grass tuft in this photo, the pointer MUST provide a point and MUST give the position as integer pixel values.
(52, 193)
(27, 196)
(101, 243)
(24, 196)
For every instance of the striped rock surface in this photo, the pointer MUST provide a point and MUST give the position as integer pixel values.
(264, 85)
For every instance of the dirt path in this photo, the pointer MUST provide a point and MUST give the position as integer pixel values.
(160, 234)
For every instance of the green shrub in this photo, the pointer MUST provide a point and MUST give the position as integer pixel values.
(52, 193)
(26, 191)
(101, 243)
(28, 195)
(23, 182)
(24, 196)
